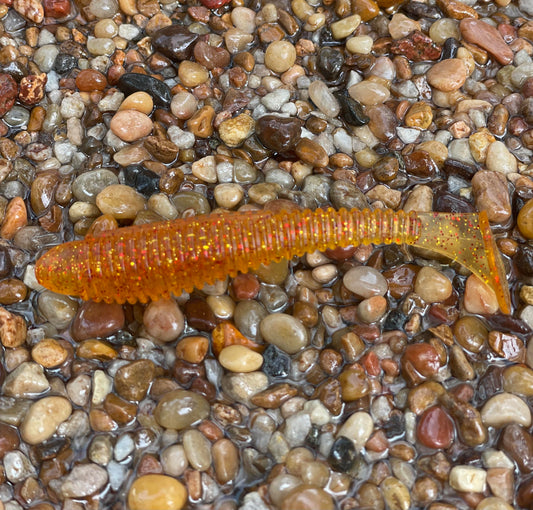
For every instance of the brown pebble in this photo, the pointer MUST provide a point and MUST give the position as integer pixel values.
(97, 320)
(133, 380)
(311, 152)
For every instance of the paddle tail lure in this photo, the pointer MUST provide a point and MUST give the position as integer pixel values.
(156, 260)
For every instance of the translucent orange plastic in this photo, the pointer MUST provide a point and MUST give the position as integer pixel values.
(159, 259)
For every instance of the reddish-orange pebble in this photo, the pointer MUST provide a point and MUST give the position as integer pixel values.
(435, 428)
(90, 80)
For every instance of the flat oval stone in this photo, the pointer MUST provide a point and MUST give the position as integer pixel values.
(135, 82)
(365, 281)
(488, 37)
(239, 358)
(179, 409)
(86, 186)
(156, 492)
(175, 42)
(284, 331)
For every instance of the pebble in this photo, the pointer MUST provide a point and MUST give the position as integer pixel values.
(525, 220)
(84, 480)
(175, 42)
(369, 93)
(499, 159)
(479, 298)
(164, 320)
(491, 194)
(447, 75)
(243, 386)
(278, 133)
(198, 450)
(140, 101)
(156, 492)
(324, 99)
(432, 286)
(179, 409)
(120, 201)
(225, 460)
(131, 125)
(173, 460)
(435, 428)
(345, 27)
(487, 37)
(9, 439)
(358, 428)
(284, 331)
(49, 353)
(467, 479)
(43, 418)
(25, 381)
(280, 56)
(238, 358)
(307, 496)
(505, 408)
(59, 310)
(395, 494)
(234, 131)
(365, 282)
(132, 83)
(18, 467)
(133, 380)
(97, 320)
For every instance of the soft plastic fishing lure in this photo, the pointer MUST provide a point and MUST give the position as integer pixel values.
(155, 260)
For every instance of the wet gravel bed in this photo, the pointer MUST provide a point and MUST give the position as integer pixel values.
(370, 377)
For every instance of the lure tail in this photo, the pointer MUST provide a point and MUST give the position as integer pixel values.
(155, 260)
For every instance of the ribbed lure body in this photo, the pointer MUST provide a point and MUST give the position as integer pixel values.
(156, 260)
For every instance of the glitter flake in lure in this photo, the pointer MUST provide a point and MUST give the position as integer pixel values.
(159, 259)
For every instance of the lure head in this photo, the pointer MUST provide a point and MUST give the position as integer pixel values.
(467, 239)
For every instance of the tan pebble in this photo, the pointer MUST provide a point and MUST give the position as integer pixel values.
(360, 44)
(492, 502)
(225, 460)
(307, 496)
(131, 155)
(505, 408)
(345, 26)
(525, 223)
(140, 101)
(396, 494)
(156, 492)
(447, 75)
(372, 309)
(419, 115)
(369, 93)
(120, 201)
(192, 349)
(43, 418)
(192, 74)
(468, 479)
(131, 125)
(234, 131)
(479, 143)
(401, 26)
(16, 217)
(280, 56)
(437, 150)
(228, 194)
(12, 329)
(432, 286)
(238, 358)
(479, 297)
(96, 349)
(164, 320)
(49, 353)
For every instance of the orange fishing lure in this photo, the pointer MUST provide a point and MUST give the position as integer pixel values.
(159, 259)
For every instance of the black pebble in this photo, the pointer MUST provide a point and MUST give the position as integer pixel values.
(276, 362)
(342, 456)
(329, 63)
(143, 180)
(351, 111)
(65, 63)
(135, 82)
(395, 320)
(524, 259)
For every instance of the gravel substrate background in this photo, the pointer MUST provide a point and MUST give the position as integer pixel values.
(371, 377)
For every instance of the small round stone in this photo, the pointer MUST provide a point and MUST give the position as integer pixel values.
(130, 125)
(156, 492)
(192, 74)
(432, 286)
(448, 75)
(280, 56)
(183, 105)
(179, 409)
(525, 219)
(435, 428)
(365, 281)
(284, 331)
(238, 358)
(140, 101)
(120, 201)
(307, 496)
(43, 418)
(164, 320)
(49, 353)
